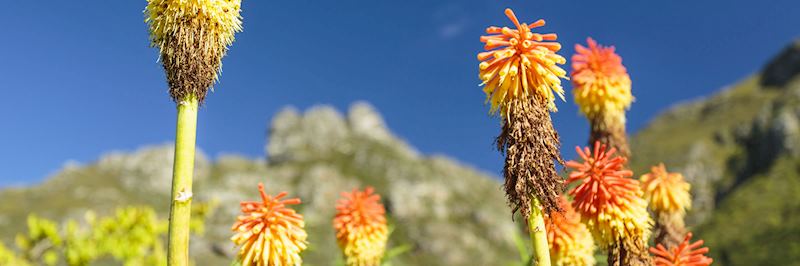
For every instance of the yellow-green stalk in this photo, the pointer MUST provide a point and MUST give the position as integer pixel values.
(193, 36)
(538, 234)
(181, 205)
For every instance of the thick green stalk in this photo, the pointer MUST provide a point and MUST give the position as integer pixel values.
(536, 229)
(182, 171)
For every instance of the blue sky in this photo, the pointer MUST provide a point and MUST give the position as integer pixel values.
(79, 79)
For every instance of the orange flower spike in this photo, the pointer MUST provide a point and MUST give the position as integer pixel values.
(269, 232)
(601, 82)
(666, 192)
(685, 254)
(361, 229)
(608, 201)
(570, 242)
(519, 62)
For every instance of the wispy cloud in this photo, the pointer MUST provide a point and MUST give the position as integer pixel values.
(451, 20)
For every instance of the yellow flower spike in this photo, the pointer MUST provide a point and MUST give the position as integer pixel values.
(269, 232)
(669, 198)
(570, 241)
(666, 192)
(518, 62)
(193, 36)
(361, 229)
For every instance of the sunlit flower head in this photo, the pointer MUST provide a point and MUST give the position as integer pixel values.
(518, 63)
(685, 254)
(269, 232)
(193, 36)
(601, 83)
(360, 225)
(166, 17)
(609, 202)
(570, 242)
(666, 192)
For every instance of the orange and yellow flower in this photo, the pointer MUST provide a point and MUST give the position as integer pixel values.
(601, 82)
(685, 254)
(666, 192)
(518, 63)
(609, 202)
(361, 229)
(269, 232)
(570, 241)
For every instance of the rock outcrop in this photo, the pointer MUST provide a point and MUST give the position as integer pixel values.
(448, 213)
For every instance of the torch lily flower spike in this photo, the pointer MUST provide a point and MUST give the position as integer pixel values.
(519, 63)
(685, 254)
(520, 76)
(571, 243)
(611, 204)
(602, 90)
(666, 192)
(669, 198)
(361, 229)
(270, 233)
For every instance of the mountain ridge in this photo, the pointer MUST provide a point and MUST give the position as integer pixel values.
(314, 155)
(740, 149)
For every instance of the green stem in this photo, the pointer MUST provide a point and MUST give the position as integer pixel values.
(538, 234)
(181, 200)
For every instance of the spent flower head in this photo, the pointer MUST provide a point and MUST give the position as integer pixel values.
(193, 36)
(518, 63)
(270, 233)
(361, 229)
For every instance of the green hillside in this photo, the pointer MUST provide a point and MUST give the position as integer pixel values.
(740, 149)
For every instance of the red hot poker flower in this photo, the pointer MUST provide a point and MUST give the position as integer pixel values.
(685, 254)
(609, 202)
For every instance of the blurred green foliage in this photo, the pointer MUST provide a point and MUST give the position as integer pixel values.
(132, 235)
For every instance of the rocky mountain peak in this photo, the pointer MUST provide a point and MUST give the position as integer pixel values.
(783, 67)
(322, 132)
